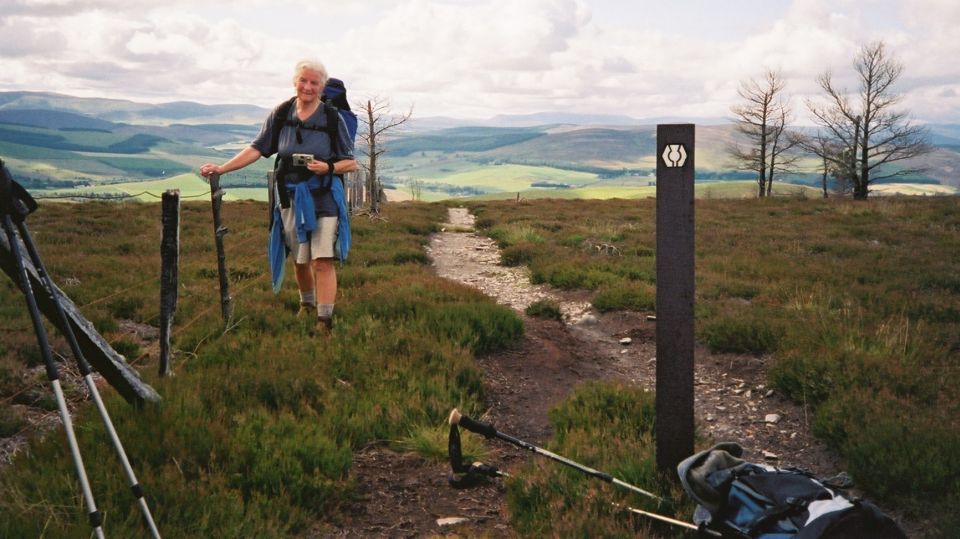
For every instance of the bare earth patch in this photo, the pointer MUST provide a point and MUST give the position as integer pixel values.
(406, 496)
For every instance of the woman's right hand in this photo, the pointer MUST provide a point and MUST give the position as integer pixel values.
(209, 168)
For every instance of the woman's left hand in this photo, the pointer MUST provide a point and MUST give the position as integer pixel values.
(318, 167)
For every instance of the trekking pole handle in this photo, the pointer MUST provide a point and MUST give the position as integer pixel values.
(485, 429)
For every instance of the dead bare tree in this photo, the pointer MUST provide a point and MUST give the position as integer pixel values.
(869, 135)
(762, 122)
(823, 146)
(377, 121)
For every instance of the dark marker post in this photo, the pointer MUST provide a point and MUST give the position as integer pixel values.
(675, 272)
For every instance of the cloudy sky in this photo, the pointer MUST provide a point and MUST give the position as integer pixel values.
(478, 58)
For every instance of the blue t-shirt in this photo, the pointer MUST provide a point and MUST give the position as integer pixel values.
(314, 142)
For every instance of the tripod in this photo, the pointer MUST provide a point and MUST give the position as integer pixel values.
(15, 204)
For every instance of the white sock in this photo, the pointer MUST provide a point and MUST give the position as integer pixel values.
(325, 310)
(309, 297)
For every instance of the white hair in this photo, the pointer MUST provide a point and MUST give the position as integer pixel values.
(312, 65)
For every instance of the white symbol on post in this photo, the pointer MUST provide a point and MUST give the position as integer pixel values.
(674, 155)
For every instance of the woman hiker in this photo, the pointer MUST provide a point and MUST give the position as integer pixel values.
(305, 159)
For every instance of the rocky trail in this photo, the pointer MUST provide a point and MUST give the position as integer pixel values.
(406, 496)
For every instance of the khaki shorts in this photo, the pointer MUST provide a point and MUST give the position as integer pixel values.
(320, 242)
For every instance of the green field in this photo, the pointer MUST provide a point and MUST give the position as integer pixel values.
(107, 159)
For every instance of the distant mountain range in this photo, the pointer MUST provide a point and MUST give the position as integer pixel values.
(188, 112)
(35, 124)
(119, 110)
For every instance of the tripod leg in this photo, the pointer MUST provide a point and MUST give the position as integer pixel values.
(86, 372)
(54, 376)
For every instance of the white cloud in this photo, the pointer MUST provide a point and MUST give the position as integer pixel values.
(476, 58)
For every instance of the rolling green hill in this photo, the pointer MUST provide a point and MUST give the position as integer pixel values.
(52, 141)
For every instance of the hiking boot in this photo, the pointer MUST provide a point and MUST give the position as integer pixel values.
(324, 322)
(306, 309)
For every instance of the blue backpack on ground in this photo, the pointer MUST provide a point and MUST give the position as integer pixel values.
(740, 499)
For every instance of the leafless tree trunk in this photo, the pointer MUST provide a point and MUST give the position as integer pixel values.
(762, 122)
(823, 146)
(377, 120)
(416, 189)
(869, 133)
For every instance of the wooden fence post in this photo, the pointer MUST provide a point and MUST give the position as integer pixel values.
(111, 365)
(169, 272)
(353, 189)
(219, 231)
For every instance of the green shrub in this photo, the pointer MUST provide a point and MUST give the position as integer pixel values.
(10, 422)
(599, 406)
(544, 308)
(517, 255)
(804, 378)
(284, 455)
(566, 276)
(481, 327)
(126, 348)
(126, 308)
(415, 257)
(744, 335)
(626, 296)
(889, 447)
(609, 428)
(738, 289)
(431, 442)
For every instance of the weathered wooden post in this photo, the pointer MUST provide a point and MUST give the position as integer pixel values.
(358, 181)
(219, 231)
(111, 365)
(675, 295)
(169, 272)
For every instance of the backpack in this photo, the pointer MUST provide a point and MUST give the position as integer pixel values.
(335, 104)
(745, 500)
(334, 99)
(336, 107)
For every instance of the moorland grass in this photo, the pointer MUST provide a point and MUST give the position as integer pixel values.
(255, 433)
(855, 303)
(608, 427)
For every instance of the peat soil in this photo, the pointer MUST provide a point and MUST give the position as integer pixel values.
(404, 495)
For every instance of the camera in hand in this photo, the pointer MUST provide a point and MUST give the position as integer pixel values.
(301, 159)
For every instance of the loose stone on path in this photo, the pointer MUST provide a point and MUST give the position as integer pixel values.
(461, 255)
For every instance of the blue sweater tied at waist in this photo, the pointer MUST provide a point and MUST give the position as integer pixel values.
(305, 221)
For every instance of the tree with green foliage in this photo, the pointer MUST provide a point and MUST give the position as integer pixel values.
(762, 122)
(869, 135)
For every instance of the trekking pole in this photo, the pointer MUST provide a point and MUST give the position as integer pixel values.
(96, 519)
(463, 475)
(86, 372)
(668, 520)
(487, 430)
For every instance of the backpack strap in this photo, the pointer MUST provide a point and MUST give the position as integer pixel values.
(793, 506)
(333, 128)
(280, 114)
